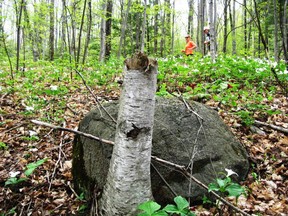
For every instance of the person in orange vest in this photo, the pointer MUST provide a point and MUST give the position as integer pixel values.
(190, 46)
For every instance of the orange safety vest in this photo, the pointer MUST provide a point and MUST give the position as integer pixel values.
(190, 47)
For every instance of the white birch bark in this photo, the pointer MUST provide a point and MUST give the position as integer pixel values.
(128, 182)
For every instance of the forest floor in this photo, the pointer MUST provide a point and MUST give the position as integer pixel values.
(49, 191)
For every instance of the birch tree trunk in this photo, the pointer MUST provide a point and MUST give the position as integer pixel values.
(128, 181)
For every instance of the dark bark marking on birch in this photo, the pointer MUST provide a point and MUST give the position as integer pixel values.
(134, 132)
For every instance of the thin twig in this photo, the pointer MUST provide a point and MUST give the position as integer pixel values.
(163, 179)
(71, 188)
(187, 105)
(94, 96)
(58, 161)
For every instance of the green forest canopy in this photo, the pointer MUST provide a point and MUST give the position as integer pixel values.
(77, 31)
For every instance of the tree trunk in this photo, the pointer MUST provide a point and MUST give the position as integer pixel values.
(123, 28)
(80, 33)
(143, 27)
(89, 26)
(285, 24)
(276, 50)
(31, 35)
(245, 28)
(103, 33)
(261, 35)
(73, 31)
(212, 31)
(128, 182)
(225, 26)
(233, 28)
(3, 40)
(167, 27)
(156, 22)
(109, 8)
(66, 29)
(18, 25)
(190, 18)
(51, 31)
(163, 33)
(201, 26)
(173, 29)
(283, 27)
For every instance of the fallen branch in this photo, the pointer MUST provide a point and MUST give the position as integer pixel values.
(72, 131)
(284, 130)
(182, 169)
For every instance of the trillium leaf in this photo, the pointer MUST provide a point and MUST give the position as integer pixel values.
(32, 166)
(213, 187)
(171, 209)
(149, 207)
(181, 202)
(235, 190)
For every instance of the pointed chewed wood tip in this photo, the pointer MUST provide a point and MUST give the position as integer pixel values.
(139, 61)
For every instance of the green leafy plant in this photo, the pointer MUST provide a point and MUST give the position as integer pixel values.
(28, 171)
(3, 146)
(226, 187)
(151, 208)
(246, 117)
(181, 208)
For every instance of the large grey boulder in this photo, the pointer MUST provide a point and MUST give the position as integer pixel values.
(195, 137)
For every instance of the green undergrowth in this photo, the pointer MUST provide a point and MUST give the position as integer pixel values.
(243, 85)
